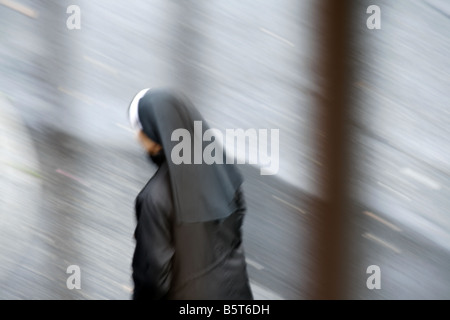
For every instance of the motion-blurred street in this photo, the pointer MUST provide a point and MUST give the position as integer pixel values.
(71, 167)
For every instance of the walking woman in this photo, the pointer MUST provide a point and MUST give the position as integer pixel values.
(189, 216)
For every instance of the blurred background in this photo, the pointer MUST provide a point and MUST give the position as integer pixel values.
(71, 167)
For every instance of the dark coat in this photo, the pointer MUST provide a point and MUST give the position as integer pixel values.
(196, 261)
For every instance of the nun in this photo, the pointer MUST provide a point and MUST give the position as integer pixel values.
(189, 216)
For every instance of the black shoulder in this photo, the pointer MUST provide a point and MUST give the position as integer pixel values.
(157, 194)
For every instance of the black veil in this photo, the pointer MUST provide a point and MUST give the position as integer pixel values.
(201, 192)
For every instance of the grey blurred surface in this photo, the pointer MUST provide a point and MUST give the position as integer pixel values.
(71, 167)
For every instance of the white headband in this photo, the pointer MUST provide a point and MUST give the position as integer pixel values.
(133, 110)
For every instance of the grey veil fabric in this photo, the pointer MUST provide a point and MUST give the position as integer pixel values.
(201, 192)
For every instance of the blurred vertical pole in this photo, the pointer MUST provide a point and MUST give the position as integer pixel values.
(330, 231)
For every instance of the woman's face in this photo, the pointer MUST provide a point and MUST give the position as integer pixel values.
(149, 145)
